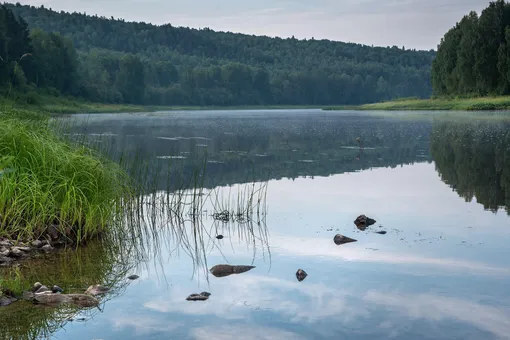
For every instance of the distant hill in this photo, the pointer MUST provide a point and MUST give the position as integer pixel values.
(133, 62)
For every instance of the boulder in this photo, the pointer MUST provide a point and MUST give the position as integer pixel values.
(51, 299)
(341, 239)
(199, 297)
(222, 270)
(97, 290)
(362, 222)
(301, 275)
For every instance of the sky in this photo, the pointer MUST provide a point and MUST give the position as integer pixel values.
(416, 24)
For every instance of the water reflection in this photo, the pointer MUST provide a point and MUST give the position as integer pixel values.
(437, 273)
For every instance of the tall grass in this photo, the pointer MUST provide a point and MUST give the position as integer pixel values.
(53, 182)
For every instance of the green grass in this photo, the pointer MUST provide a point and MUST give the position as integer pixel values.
(51, 181)
(442, 104)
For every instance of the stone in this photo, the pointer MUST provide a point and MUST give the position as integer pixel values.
(5, 243)
(199, 297)
(362, 222)
(97, 290)
(7, 300)
(219, 237)
(29, 296)
(222, 270)
(341, 239)
(47, 247)
(15, 252)
(56, 289)
(81, 300)
(36, 286)
(382, 232)
(23, 249)
(42, 289)
(38, 243)
(133, 277)
(301, 275)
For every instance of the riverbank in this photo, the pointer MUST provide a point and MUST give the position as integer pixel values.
(50, 190)
(439, 104)
(70, 105)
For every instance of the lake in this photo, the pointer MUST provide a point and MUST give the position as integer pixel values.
(293, 179)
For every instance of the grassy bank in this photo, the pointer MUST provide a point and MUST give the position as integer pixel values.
(443, 104)
(46, 181)
(70, 105)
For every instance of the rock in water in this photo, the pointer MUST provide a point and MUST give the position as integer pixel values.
(222, 270)
(97, 290)
(133, 277)
(219, 237)
(341, 239)
(52, 299)
(199, 297)
(382, 232)
(362, 222)
(301, 275)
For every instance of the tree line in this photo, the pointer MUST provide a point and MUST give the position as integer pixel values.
(114, 61)
(473, 57)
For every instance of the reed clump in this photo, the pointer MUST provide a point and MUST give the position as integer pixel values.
(47, 181)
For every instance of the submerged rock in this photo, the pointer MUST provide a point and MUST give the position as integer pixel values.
(97, 290)
(133, 277)
(219, 237)
(301, 275)
(81, 300)
(362, 222)
(222, 270)
(341, 239)
(199, 297)
(382, 232)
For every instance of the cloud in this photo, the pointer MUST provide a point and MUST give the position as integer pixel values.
(226, 332)
(437, 308)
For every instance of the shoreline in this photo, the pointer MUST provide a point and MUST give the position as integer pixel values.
(501, 103)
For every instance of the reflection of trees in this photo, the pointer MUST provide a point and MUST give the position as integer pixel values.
(247, 148)
(474, 159)
(73, 270)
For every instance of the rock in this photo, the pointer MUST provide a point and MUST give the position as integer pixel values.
(362, 222)
(81, 300)
(29, 296)
(133, 277)
(7, 300)
(5, 243)
(56, 289)
(16, 252)
(222, 270)
(199, 297)
(382, 232)
(36, 287)
(97, 290)
(38, 243)
(341, 239)
(23, 249)
(47, 247)
(42, 289)
(219, 237)
(301, 275)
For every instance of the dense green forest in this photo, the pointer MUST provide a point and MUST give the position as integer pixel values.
(473, 57)
(114, 61)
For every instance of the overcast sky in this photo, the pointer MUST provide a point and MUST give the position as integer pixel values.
(416, 24)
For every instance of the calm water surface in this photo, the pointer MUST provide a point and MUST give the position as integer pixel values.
(439, 187)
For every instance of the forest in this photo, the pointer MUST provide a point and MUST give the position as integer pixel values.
(473, 58)
(110, 60)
